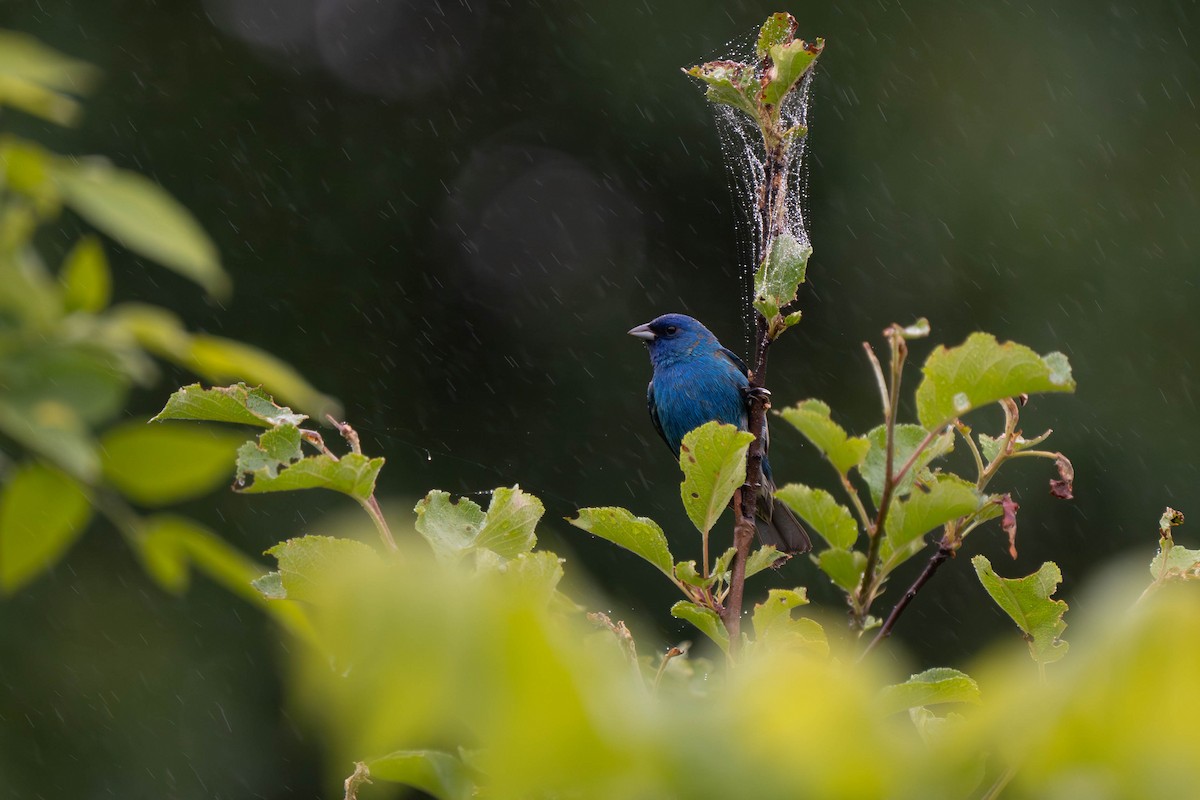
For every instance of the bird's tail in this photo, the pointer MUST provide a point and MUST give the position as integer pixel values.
(778, 526)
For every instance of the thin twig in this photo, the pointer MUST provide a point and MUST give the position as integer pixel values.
(672, 652)
(885, 630)
(856, 501)
(965, 432)
(371, 506)
(877, 368)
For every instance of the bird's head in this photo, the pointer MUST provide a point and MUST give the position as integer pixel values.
(673, 337)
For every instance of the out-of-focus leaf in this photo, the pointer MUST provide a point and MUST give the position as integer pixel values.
(42, 513)
(25, 57)
(1179, 563)
(811, 418)
(55, 431)
(140, 215)
(777, 629)
(450, 526)
(948, 497)
(1027, 601)
(512, 517)
(713, 460)
(639, 535)
(822, 513)
(156, 465)
(931, 687)
(238, 403)
(87, 284)
(303, 560)
(220, 360)
(276, 448)
(844, 567)
(352, 474)
(24, 170)
(982, 371)
(84, 377)
(907, 438)
(705, 619)
(438, 774)
(780, 275)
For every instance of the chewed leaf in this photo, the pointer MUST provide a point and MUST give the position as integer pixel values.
(450, 526)
(352, 474)
(791, 61)
(435, 773)
(982, 371)
(305, 560)
(713, 460)
(238, 403)
(638, 535)
(730, 83)
(1027, 601)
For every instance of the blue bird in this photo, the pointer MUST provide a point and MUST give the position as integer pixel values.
(696, 380)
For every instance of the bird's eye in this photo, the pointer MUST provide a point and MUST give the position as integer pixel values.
(672, 330)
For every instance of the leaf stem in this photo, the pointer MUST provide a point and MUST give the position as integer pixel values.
(371, 506)
(856, 501)
(965, 433)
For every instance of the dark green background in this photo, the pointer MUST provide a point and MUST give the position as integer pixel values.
(450, 224)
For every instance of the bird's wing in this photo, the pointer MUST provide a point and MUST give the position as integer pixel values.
(737, 362)
(650, 404)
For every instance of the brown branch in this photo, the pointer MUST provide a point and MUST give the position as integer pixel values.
(943, 552)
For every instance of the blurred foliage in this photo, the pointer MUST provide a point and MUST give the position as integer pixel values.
(69, 360)
(1001, 199)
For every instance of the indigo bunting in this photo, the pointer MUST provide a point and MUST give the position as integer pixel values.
(696, 380)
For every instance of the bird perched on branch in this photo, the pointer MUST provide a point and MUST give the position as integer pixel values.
(697, 380)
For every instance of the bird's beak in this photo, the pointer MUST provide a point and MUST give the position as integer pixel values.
(643, 332)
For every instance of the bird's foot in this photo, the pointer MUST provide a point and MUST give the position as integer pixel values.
(757, 394)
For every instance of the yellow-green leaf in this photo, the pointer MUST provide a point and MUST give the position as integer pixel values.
(1027, 602)
(160, 465)
(42, 513)
(811, 418)
(829, 518)
(713, 460)
(639, 535)
(87, 283)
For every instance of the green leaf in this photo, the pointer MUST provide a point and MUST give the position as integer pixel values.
(140, 215)
(639, 535)
(42, 513)
(776, 610)
(276, 448)
(763, 558)
(156, 466)
(826, 516)
(906, 439)
(844, 567)
(948, 497)
(28, 58)
(238, 404)
(219, 360)
(1027, 601)
(730, 83)
(168, 544)
(713, 460)
(87, 283)
(989, 446)
(686, 572)
(1175, 563)
(780, 275)
(352, 474)
(512, 517)
(450, 526)
(981, 371)
(55, 431)
(931, 687)
(705, 619)
(270, 586)
(305, 560)
(811, 418)
(791, 61)
(779, 29)
(438, 774)
(721, 568)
